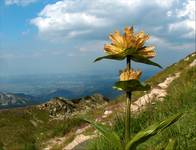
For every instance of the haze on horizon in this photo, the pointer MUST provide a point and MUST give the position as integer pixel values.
(64, 36)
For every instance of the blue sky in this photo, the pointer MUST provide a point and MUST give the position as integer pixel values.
(62, 36)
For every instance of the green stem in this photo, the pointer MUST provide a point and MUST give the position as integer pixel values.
(128, 108)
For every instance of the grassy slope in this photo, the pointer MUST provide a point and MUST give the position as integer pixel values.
(181, 98)
(17, 131)
(28, 128)
(160, 77)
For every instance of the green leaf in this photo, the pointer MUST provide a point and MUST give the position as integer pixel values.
(142, 59)
(133, 54)
(171, 145)
(119, 56)
(131, 85)
(115, 57)
(109, 134)
(152, 130)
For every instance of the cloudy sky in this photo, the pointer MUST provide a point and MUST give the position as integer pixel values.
(60, 36)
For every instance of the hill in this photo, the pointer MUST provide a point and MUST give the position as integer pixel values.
(173, 91)
(36, 128)
(12, 100)
(28, 127)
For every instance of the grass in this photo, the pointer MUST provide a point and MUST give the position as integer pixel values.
(170, 70)
(159, 77)
(67, 140)
(28, 128)
(181, 98)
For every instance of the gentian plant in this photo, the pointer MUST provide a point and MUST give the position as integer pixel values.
(130, 47)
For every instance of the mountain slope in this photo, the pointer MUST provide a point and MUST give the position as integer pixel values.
(164, 88)
(12, 100)
(35, 128)
(180, 96)
(27, 127)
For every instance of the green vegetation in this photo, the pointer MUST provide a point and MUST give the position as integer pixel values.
(161, 76)
(28, 128)
(181, 98)
(118, 143)
(170, 70)
(130, 46)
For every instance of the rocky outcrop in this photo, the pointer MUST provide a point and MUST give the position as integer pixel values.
(58, 105)
(89, 102)
(66, 107)
(7, 99)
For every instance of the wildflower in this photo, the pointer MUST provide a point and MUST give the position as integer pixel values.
(135, 42)
(126, 75)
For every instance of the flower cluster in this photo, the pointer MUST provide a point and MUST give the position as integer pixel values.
(126, 75)
(132, 40)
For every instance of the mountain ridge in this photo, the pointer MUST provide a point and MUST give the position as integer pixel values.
(12, 100)
(36, 128)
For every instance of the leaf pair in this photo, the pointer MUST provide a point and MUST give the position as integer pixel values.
(150, 131)
(139, 138)
(119, 56)
(131, 85)
(134, 56)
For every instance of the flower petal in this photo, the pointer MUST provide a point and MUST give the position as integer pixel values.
(117, 39)
(130, 74)
(111, 49)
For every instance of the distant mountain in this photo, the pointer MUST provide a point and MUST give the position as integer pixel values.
(56, 93)
(25, 96)
(32, 127)
(12, 100)
(46, 86)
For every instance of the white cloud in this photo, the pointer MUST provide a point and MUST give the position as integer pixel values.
(19, 2)
(171, 21)
(187, 19)
(165, 3)
(164, 44)
(72, 18)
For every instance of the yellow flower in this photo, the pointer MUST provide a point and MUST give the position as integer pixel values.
(129, 40)
(130, 74)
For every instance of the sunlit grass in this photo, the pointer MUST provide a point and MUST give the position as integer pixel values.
(181, 98)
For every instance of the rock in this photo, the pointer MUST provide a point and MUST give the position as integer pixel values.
(168, 80)
(193, 54)
(90, 102)
(106, 113)
(81, 130)
(193, 63)
(61, 106)
(157, 94)
(58, 105)
(186, 59)
(78, 140)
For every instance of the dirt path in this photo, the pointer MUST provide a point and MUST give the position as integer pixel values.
(156, 94)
